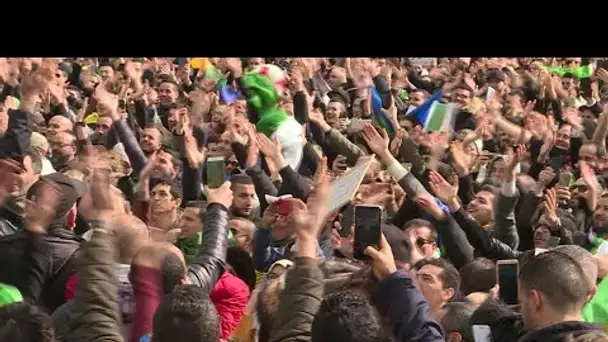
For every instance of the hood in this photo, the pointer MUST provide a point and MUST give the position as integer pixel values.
(560, 331)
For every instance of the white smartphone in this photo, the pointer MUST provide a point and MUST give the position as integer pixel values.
(482, 333)
(356, 125)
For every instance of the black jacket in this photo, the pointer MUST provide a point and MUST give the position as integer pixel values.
(39, 265)
(560, 332)
(210, 264)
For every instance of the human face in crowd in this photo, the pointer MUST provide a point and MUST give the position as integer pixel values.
(562, 137)
(167, 93)
(63, 148)
(588, 154)
(482, 207)
(568, 83)
(61, 78)
(150, 140)
(106, 72)
(243, 233)
(190, 222)
(164, 165)
(600, 216)
(104, 124)
(337, 77)
(242, 202)
(255, 62)
(424, 240)
(25, 179)
(417, 98)
(162, 201)
(333, 112)
(59, 124)
(541, 237)
(432, 287)
(461, 97)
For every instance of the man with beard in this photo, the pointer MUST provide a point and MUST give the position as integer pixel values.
(63, 150)
(13, 211)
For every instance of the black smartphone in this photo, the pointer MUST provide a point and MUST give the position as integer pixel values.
(215, 172)
(604, 64)
(368, 229)
(508, 271)
(346, 220)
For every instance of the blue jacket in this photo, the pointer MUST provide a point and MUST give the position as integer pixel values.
(397, 298)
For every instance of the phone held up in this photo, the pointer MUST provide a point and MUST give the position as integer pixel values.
(215, 172)
(368, 229)
(508, 271)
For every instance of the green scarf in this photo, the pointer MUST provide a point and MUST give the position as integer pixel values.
(190, 246)
(263, 97)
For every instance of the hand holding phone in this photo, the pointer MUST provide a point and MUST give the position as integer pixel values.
(508, 271)
(368, 229)
(215, 172)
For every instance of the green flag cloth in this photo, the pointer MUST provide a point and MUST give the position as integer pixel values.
(583, 71)
(596, 311)
(263, 97)
(9, 294)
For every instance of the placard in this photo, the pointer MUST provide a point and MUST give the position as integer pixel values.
(343, 189)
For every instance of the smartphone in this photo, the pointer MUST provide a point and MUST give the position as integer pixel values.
(553, 241)
(482, 333)
(215, 172)
(346, 220)
(507, 280)
(356, 125)
(565, 178)
(367, 229)
(284, 207)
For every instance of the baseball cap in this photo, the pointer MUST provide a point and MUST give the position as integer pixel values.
(9, 294)
(71, 190)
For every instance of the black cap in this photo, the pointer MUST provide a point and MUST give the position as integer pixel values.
(339, 95)
(71, 191)
(496, 75)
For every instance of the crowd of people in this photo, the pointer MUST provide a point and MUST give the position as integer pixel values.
(114, 226)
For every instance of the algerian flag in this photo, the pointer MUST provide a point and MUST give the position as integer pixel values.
(596, 310)
(583, 71)
(435, 116)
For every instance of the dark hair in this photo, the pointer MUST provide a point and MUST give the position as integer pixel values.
(559, 278)
(175, 187)
(242, 265)
(201, 205)
(478, 275)
(503, 321)
(422, 91)
(600, 151)
(449, 276)
(186, 312)
(456, 317)
(173, 271)
(346, 316)
(421, 223)
(490, 188)
(24, 322)
(241, 179)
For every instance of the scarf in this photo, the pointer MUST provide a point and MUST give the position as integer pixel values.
(190, 246)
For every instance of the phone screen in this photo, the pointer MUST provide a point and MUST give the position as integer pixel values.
(346, 220)
(215, 172)
(507, 281)
(367, 229)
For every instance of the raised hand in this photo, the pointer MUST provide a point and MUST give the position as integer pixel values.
(40, 212)
(377, 142)
(443, 190)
